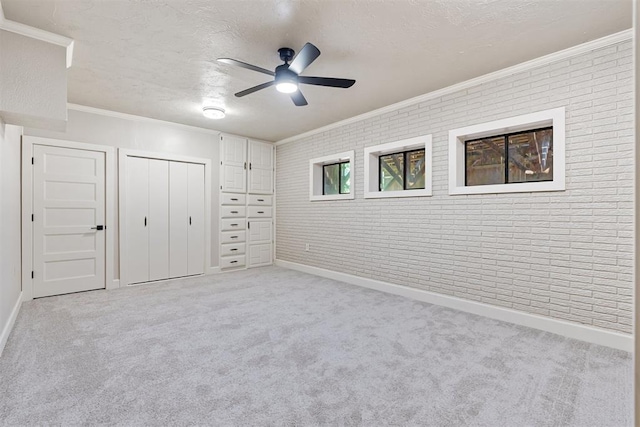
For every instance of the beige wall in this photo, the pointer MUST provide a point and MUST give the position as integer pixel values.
(147, 136)
(10, 284)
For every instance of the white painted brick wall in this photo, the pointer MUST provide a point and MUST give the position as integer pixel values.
(567, 255)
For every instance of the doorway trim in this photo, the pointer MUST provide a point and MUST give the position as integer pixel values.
(123, 153)
(27, 206)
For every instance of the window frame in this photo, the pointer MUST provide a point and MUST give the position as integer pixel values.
(505, 138)
(372, 167)
(316, 176)
(339, 164)
(554, 118)
(404, 168)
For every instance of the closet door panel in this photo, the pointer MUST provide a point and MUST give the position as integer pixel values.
(178, 219)
(196, 218)
(158, 219)
(137, 216)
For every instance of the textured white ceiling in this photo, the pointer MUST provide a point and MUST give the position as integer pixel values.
(157, 58)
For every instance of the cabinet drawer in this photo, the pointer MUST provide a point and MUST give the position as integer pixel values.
(234, 224)
(257, 200)
(232, 261)
(233, 236)
(233, 211)
(233, 199)
(232, 249)
(259, 212)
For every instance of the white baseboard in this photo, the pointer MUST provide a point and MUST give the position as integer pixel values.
(212, 270)
(561, 327)
(6, 331)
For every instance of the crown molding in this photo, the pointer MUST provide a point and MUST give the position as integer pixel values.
(38, 34)
(609, 40)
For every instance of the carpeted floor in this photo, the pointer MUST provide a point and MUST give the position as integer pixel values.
(273, 346)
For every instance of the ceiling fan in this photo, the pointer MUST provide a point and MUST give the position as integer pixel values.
(287, 76)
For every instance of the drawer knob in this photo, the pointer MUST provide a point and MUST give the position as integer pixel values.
(261, 200)
(234, 200)
(234, 237)
(234, 225)
(261, 212)
(233, 262)
(234, 211)
(233, 250)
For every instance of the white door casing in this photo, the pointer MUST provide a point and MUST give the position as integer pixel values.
(69, 202)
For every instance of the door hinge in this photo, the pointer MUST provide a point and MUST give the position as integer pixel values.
(33, 161)
(32, 217)
(32, 274)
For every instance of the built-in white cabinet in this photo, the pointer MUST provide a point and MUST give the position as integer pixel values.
(233, 164)
(246, 197)
(165, 219)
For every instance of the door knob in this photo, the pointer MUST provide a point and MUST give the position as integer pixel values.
(98, 227)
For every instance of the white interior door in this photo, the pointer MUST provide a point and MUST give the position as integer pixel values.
(68, 202)
(178, 219)
(196, 218)
(234, 164)
(158, 219)
(260, 167)
(137, 215)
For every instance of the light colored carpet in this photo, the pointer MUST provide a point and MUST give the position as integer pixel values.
(273, 346)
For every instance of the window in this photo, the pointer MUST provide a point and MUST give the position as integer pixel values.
(398, 169)
(402, 171)
(512, 158)
(337, 178)
(331, 177)
(519, 154)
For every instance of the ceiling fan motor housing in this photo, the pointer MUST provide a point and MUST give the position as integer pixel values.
(286, 54)
(284, 74)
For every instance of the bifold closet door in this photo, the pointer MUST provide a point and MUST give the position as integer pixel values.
(179, 219)
(137, 215)
(158, 219)
(196, 218)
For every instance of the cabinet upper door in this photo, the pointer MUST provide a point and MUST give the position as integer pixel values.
(260, 167)
(234, 164)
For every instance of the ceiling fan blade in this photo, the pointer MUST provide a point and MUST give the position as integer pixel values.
(304, 58)
(237, 63)
(255, 89)
(298, 98)
(326, 81)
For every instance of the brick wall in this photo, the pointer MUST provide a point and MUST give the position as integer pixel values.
(567, 255)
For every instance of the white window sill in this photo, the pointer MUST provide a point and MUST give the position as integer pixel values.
(390, 194)
(327, 197)
(524, 187)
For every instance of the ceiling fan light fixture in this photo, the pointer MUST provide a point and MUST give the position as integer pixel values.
(287, 86)
(214, 113)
